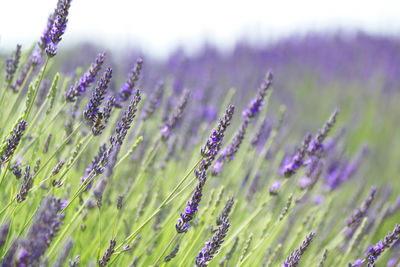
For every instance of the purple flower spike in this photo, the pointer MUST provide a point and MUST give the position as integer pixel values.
(317, 143)
(107, 254)
(361, 211)
(86, 80)
(58, 27)
(12, 65)
(298, 159)
(128, 87)
(174, 117)
(293, 259)
(45, 38)
(102, 120)
(92, 108)
(255, 105)
(183, 223)
(12, 143)
(125, 123)
(208, 151)
(46, 223)
(374, 252)
(155, 101)
(274, 188)
(212, 246)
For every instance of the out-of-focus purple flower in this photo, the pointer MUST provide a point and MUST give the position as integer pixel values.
(46, 223)
(298, 159)
(12, 143)
(4, 233)
(33, 61)
(91, 112)
(318, 199)
(86, 80)
(317, 143)
(357, 262)
(255, 105)
(174, 117)
(274, 188)
(305, 182)
(361, 211)
(128, 87)
(61, 261)
(12, 65)
(154, 101)
(212, 246)
(294, 257)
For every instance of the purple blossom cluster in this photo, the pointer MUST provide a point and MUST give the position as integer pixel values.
(86, 80)
(128, 87)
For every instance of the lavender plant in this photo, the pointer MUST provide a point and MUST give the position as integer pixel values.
(90, 176)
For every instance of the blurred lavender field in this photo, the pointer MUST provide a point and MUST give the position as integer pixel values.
(281, 154)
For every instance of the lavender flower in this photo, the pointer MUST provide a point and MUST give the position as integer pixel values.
(16, 170)
(4, 233)
(12, 143)
(208, 151)
(316, 144)
(172, 254)
(33, 61)
(274, 188)
(58, 27)
(92, 108)
(12, 65)
(183, 222)
(55, 171)
(47, 143)
(228, 255)
(174, 117)
(360, 212)
(64, 254)
(255, 105)
(107, 254)
(125, 123)
(226, 210)
(86, 80)
(96, 160)
(46, 223)
(126, 90)
(212, 246)
(45, 38)
(298, 159)
(294, 257)
(25, 186)
(102, 120)
(375, 251)
(154, 101)
(213, 144)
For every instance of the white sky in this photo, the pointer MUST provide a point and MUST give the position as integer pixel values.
(159, 26)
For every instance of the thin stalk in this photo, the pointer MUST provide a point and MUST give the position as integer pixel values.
(165, 249)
